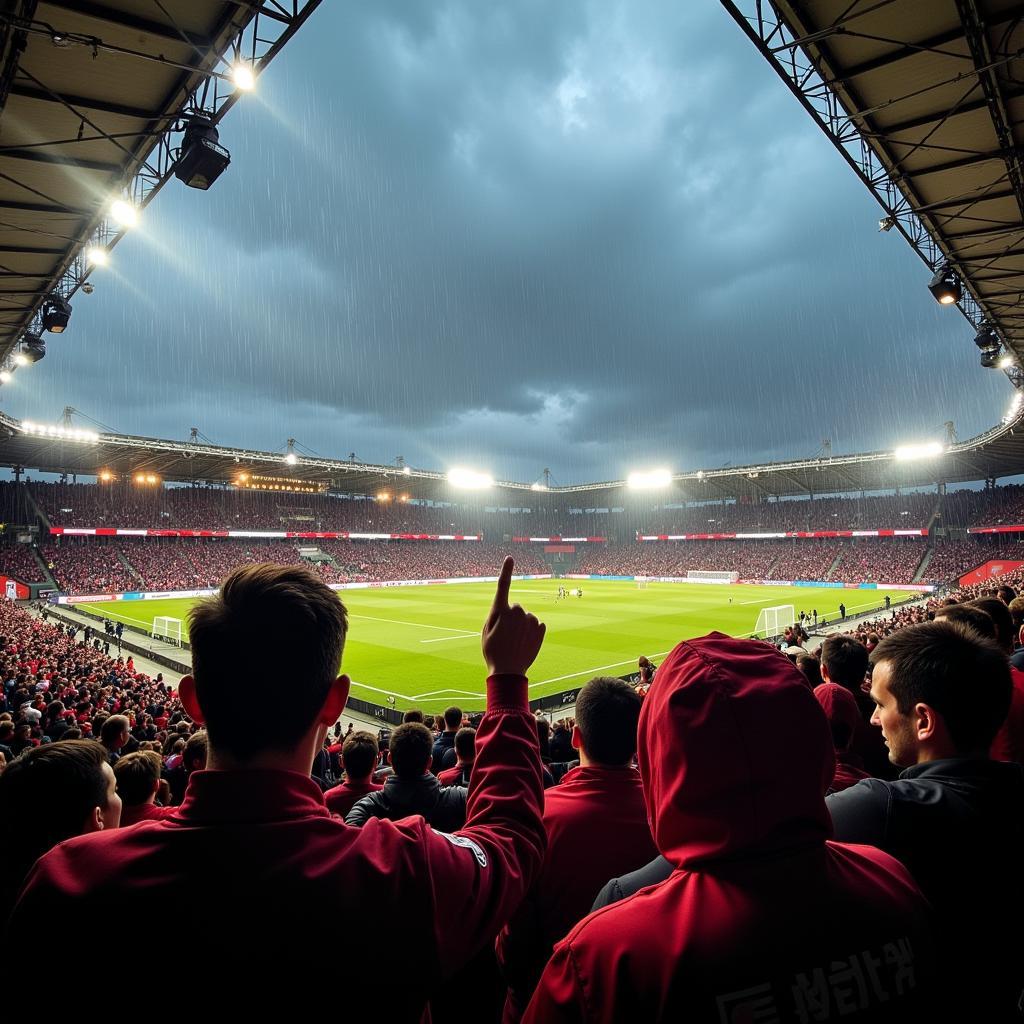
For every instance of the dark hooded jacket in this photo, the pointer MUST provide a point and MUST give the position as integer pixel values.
(762, 917)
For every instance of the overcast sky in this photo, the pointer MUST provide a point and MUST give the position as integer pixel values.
(588, 236)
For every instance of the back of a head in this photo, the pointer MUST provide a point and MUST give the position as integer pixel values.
(241, 667)
(846, 661)
(810, 669)
(841, 711)
(465, 743)
(1001, 618)
(607, 713)
(452, 718)
(968, 615)
(137, 776)
(46, 796)
(410, 747)
(413, 715)
(196, 749)
(735, 752)
(961, 674)
(544, 736)
(112, 729)
(359, 754)
(1006, 594)
(1016, 607)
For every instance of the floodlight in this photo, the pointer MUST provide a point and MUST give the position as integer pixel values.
(929, 450)
(887, 223)
(407, 471)
(20, 359)
(1005, 362)
(124, 213)
(56, 313)
(5, 376)
(33, 347)
(291, 458)
(201, 161)
(650, 480)
(945, 286)
(469, 479)
(383, 496)
(538, 487)
(986, 337)
(242, 76)
(989, 358)
(97, 256)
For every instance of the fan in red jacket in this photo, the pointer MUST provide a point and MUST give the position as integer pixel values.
(763, 917)
(843, 720)
(597, 827)
(254, 860)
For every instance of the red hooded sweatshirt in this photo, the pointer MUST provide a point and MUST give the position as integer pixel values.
(764, 918)
(256, 862)
(597, 826)
(843, 716)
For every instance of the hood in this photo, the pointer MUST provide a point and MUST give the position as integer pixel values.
(734, 751)
(841, 710)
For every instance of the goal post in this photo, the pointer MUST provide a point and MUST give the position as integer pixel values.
(165, 627)
(771, 622)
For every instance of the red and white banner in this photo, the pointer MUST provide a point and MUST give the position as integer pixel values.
(994, 567)
(559, 540)
(1018, 528)
(799, 534)
(109, 531)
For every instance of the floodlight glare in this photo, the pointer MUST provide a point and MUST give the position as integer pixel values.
(242, 76)
(124, 213)
(33, 347)
(649, 481)
(20, 359)
(1005, 363)
(538, 487)
(407, 471)
(907, 452)
(97, 256)
(5, 376)
(945, 286)
(201, 160)
(469, 479)
(56, 313)
(291, 458)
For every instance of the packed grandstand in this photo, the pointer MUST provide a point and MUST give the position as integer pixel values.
(934, 546)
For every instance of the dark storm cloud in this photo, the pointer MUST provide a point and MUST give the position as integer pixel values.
(584, 236)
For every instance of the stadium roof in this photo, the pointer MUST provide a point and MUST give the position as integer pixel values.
(66, 449)
(925, 101)
(94, 98)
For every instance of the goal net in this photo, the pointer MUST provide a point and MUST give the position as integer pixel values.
(167, 628)
(771, 622)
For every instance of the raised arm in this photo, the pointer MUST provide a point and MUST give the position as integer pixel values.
(480, 874)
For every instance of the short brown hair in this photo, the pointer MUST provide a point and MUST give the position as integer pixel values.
(607, 713)
(969, 615)
(137, 775)
(112, 728)
(273, 636)
(846, 661)
(1017, 614)
(952, 668)
(359, 754)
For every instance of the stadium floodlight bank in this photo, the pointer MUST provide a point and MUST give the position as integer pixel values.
(167, 628)
(772, 622)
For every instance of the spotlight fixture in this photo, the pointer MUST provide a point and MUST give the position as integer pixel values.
(887, 224)
(986, 337)
(33, 348)
(201, 161)
(56, 313)
(87, 287)
(990, 358)
(945, 286)
(124, 213)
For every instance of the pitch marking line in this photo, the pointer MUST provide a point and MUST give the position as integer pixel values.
(403, 622)
(442, 639)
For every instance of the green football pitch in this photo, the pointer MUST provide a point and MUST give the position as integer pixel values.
(421, 645)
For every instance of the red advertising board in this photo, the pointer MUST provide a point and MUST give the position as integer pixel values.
(994, 567)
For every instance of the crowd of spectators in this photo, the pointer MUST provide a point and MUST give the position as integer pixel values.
(612, 867)
(18, 561)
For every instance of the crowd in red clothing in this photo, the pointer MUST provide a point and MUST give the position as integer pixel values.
(603, 869)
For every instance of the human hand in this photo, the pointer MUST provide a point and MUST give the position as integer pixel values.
(511, 637)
